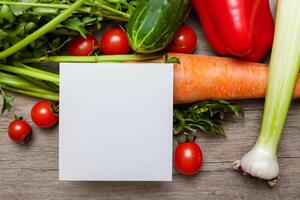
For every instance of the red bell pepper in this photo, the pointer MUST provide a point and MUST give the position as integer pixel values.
(241, 28)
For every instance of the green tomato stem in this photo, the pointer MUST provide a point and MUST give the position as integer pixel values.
(41, 31)
(93, 59)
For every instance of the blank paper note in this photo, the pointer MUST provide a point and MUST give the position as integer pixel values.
(115, 122)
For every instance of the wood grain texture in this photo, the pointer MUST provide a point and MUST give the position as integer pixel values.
(31, 171)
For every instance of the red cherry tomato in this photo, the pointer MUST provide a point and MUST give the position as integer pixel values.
(188, 158)
(114, 41)
(42, 114)
(81, 46)
(19, 130)
(184, 41)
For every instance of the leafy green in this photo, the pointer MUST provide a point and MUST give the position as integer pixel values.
(78, 25)
(205, 116)
(6, 15)
(7, 101)
(2, 34)
(20, 18)
(18, 10)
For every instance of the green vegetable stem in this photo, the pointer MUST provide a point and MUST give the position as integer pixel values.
(35, 82)
(93, 59)
(31, 72)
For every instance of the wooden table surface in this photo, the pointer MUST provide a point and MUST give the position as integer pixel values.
(31, 171)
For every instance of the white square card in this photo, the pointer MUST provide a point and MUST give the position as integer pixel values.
(115, 122)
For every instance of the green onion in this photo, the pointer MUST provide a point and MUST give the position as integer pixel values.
(261, 160)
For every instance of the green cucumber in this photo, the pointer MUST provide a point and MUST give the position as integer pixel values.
(154, 23)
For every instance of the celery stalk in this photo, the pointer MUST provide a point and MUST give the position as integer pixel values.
(94, 59)
(31, 72)
(261, 160)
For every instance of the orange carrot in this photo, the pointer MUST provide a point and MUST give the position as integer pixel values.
(205, 77)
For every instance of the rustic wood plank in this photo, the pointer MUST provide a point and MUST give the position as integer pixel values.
(31, 171)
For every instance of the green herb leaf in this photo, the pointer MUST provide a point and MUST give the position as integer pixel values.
(205, 116)
(6, 14)
(18, 10)
(7, 101)
(3, 34)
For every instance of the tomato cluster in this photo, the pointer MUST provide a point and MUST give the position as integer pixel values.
(113, 41)
(44, 114)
